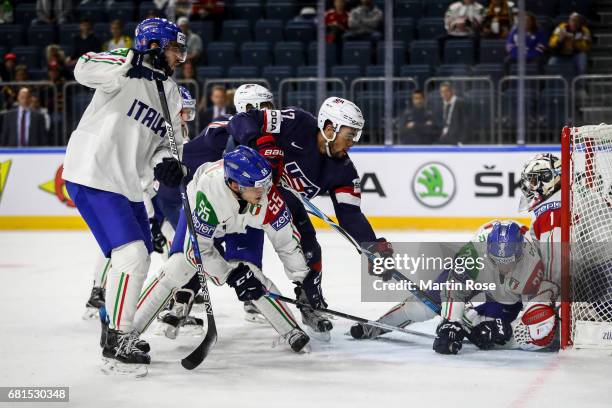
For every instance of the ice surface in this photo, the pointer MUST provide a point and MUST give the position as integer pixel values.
(45, 279)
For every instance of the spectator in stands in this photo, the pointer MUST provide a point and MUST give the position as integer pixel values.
(7, 71)
(453, 118)
(208, 10)
(193, 40)
(364, 22)
(307, 15)
(83, 42)
(21, 73)
(535, 44)
(570, 42)
(187, 71)
(36, 107)
(498, 20)
(336, 22)
(218, 97)
(22, 126)
(118, 39)
(54, 52)
(6, 13)
(416, 124)
(53, 11)
(463, 18)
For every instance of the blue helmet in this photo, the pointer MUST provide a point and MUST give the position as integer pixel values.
(505, 243)
(247, 168)
(160, 30)
(188, 104)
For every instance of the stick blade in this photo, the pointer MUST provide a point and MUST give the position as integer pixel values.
(201, 352)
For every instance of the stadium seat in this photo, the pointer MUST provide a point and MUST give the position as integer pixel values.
(204, 29)
(205, 73)
(459, 52)
(357, 53)
(446, 70)
(306, 71)
(399, 53)
(347, 73)
(284, 11)
(492, 51)
(66, 31)
(24, 14)
(243, 72)
(306, 100)
(37, 74)
(2, 51)
(420, 72)
(552, 108)
(565, 70)
(299, 31)
(541, 7)
(11, 35)
(289, 53)
(530, 69)
(377, 70)
(403, 29)
(221, 53)
(41, 35)
(255, 54)
(437, 8)
(494, 71)
(274, 74)
(430, 28)
(251, 11)
(122, 11)
(424, 52)
(269, 30)
(238, 31)
(145, 8)
(28, 55)
(129, 28)
(581, 6)
(331, 55)
(408, 8)
(93, 12)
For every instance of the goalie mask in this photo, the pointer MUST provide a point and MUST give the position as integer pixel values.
(540, 179)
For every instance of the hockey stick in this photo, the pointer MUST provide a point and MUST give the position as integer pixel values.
(199, 354)
(351, 317)
(314, 210)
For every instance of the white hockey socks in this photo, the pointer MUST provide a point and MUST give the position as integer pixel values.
(129, 266)
(101, 268)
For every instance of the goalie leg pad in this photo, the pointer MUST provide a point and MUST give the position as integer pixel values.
(409, 311)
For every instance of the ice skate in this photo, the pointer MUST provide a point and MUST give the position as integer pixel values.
(95, 302)
(121, 356)
(317, 323)
(172, 320)
(252, 314)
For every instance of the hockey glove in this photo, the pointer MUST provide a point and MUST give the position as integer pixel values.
(489, 333)
(381, 249)
(246, 284)
(169, 172)
(311, 288)
(449, 336)
(138, 70)
(159, 240)
(267, 147)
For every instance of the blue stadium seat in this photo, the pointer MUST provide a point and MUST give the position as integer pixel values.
(289, 53)
(492, 51)
(453, 70)
(509, 103)
(256, 54)
(357, 53)
(129, 28)
(221, 53)
(28, 55)
(437, 8)
(459, 52)
(11, 35)
(430, 28)
(403, 29)
(399, 53)
(24, 13)
(122, 11)
(565, 70)
(251, 11)
(144, 9)
(378, 70)
(41, 35)
(408, 8)
(347, 73)
(494, 71)
(269, 30)
(541, 7)
(306, 100)
(205, 73)
(238, 31)
(331, 56)
(274, 74)
(581, 6)
(551, 108)
(299, 31)
(37, 74)
(204, 29)
(424, 52)
(530, 69)
(93, 12)
(420, 72)
(281, 10)
(306, 71)
(243, 72)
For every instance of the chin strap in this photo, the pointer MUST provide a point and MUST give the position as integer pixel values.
(328, 142)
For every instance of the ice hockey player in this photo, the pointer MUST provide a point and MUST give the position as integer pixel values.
(311, 157)
(119, 138)
(226, 197)
(209, 146)
(510, 260)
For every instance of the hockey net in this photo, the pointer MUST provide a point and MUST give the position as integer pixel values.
(586, 310)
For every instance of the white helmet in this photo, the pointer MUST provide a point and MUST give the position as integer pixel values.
(340, 112)
(251, 94)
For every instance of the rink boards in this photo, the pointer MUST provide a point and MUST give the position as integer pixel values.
(402, 187)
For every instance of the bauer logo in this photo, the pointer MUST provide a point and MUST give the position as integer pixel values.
(434, 185)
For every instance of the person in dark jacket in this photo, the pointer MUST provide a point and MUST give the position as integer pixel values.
(416, 124)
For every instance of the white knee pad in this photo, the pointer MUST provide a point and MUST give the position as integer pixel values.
(177, 270)
(132, 259)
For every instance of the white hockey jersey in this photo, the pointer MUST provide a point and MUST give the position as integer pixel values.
(122, 133)
(216, 212)
(546, 229)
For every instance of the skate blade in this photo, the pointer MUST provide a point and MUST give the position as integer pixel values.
(319, 336)
(255, 318)
(280, 341)
(91, 313)
(114, 367)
